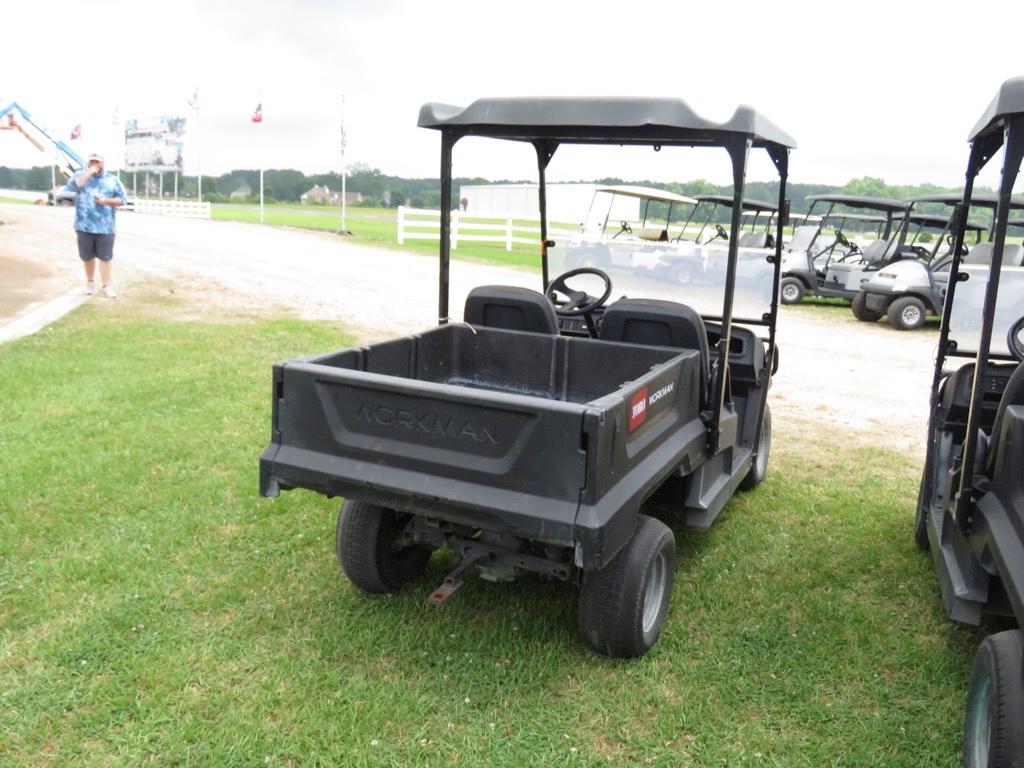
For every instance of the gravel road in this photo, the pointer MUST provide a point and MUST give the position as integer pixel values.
(864, 383)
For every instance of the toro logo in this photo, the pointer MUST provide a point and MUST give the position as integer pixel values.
(638, 409)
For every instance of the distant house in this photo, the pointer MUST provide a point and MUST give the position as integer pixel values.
(243, 191)
(322, 195)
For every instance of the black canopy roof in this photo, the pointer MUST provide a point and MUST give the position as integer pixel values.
(861, 201)
(669, 121)
(749, 204)
(1008, 100)
(980, 199)
(941, 222)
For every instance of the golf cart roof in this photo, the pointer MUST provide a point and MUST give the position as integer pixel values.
(1008, 100)
(860, 201)
(981, 199)
(583, 120)
(941, 222)
(648, 193)
(749, 204)
(873, 218)
(1015, 223)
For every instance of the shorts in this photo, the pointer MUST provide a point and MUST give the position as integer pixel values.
(95, 246)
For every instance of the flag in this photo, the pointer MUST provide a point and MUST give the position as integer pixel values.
(193, 100)
(257, 116)
(76, 132)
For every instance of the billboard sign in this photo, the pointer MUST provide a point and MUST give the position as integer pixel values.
(154, 144)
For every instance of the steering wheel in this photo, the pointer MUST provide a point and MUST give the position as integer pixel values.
(625, 228)
(1013, 341)
(579, 302)
(841, 239)
(720, 231)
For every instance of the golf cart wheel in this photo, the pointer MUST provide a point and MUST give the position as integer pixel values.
(791, 290)
(623, 606)
(681, 274)
(993, 737)
(759, 468)
(861, 311)
(370, 548)
(907, 313)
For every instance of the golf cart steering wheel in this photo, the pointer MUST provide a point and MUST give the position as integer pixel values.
(963, 246)
(720, 231)
(625, 228)
(579, 302)
(1013, 340)
(841, 239)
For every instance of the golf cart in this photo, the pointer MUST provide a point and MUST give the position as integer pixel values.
(811, 266)
(538, 435)
(908, 290)
(970, 511)
(751, 207)
(635, 215)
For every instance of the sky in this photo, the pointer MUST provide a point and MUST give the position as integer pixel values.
(867, 89)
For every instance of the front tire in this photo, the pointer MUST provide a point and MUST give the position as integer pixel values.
(861, 311)
(791, 290)
(907, 313)
(755, 476)
(623, 606)
(993, 737)
(371, 549)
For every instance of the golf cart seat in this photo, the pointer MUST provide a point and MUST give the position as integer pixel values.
(802, 237)
(654, 234)
(511, 308)
(1013, 394)
(754, 240)
(1013, 255)
(658, 323)
(875, 252)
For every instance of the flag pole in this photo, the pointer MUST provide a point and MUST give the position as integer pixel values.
(344, 170)
(260, 148)
(199, 155)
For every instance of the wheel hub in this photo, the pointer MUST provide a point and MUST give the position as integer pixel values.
(657, 580)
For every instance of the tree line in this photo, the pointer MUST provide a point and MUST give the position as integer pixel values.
(382, 190)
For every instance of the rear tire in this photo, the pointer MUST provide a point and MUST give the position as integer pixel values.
(907, 313)
(861, 311)
(368, 544)
(623, 606)
(791, 290)
(755, 476)
(681, 274)
(993, 737)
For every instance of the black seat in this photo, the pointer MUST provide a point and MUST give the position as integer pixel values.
(653, 322)
(1013, 394)
(511, 308)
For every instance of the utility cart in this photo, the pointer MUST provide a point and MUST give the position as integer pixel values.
(970, 510)
(542, 433)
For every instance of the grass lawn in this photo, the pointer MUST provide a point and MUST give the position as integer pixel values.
(374, 226)
(16, 200)
(155, 611)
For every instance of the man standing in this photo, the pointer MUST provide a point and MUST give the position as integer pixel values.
(99, 195)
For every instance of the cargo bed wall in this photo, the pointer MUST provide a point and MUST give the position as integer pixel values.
(482, 427)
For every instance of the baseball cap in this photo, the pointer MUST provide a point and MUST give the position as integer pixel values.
(95, 156)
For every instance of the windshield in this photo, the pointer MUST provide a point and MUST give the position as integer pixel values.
(968, 300)
(676, 270)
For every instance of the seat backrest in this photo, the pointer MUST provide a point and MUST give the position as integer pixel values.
(753, 240)
(653, 322)
(1013, 394)
(511, 308)
(978, 254)
(875, 251)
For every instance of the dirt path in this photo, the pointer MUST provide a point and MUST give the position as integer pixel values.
(859, 382)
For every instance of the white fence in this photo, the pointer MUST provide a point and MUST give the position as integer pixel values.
(189, 209)
(422, 224)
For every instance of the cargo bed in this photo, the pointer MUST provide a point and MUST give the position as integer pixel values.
(552, 439)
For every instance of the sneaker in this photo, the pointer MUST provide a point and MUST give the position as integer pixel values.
(109, 292)
(90, 288)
